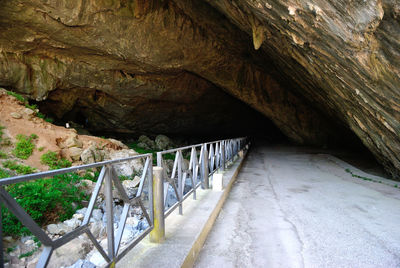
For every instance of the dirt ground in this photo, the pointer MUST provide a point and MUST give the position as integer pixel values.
(49, 135)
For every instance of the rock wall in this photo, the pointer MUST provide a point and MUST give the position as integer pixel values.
(315, 68)
(344, 56)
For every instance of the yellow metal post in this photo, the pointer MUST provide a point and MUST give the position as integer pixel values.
(157, 235)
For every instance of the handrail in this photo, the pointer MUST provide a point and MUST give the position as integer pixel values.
(205, 159)
(108, 177)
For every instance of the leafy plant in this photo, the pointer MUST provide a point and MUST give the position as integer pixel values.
(140, 150)
(45, 200)
(1, 133)
(3, 155)
(16, 95)
(32, 107)
(20, 169)
(40, 148)
(51, 159)
(4, 173)
(49, 119)
(24, 146)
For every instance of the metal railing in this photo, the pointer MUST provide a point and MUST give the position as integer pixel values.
(204, 160)
(108, 177)
(192, 166)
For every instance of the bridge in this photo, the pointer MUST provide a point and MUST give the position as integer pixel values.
(231, 207)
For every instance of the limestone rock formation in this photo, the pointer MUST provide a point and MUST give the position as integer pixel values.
(344, 55)
(316, 68)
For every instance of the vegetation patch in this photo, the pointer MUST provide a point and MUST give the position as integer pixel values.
(140, 150)
(1, 133)
(369, 179)
(24, 146)
(20, 169)
(51, 159)
(3, 155)
(16, 95)
(45, 200)
(4, 173)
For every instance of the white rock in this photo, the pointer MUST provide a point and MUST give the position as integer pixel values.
(128, 235)
(73, 223)
(118, 144)
(60, 228)
(97, 259)
(132, 221)
(75, 153)
(29, 242)
(69, 253)
(162, 142)
(32, 263)
(16, 115)
(78, 216)
(82, 264)
(81, 211)
(72, 141)
(97, 215)
(97, 229)
(28, 111)
(126, 168)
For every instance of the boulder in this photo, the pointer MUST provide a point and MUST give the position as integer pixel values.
(163, 142)
(73, 141)
(59, 229)
(92, 154)
(73, 223)
(82, 264)
(69, 253)
(75, 153)
(117, 144)
(16, 115)
(29, 112)
(146, 143)
(127, 168)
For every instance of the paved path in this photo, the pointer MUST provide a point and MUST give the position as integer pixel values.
(294, 209)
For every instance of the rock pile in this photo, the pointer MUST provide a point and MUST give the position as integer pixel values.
(81, 252)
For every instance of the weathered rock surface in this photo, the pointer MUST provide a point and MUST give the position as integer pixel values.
(319, 67)
(344, 55)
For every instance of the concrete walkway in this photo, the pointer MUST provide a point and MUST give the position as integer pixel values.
(294, 209)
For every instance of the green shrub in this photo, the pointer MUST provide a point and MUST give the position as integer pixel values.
(45, 200)
(24, 146)
(4, 173)
(3, 155)
(32, 107)
(49, 120)
(1, 133)
(16, 95)
(40, 148)
(20, 169)
(140, 150)
(51, 159)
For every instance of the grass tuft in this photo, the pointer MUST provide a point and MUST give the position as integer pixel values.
(24, 146)
(51, 159)
(20, 169)
(16, 95)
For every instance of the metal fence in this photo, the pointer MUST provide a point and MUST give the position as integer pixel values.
(188, 173)
(192, 166)
(108, 177)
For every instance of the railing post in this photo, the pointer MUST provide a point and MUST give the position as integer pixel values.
(180, 182)
(109, 213)
(223, 154)
(204, 167)
(1, 236)
(157, 235)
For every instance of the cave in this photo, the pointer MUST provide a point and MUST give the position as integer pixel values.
(312, 73)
